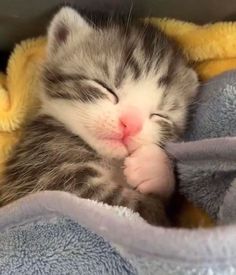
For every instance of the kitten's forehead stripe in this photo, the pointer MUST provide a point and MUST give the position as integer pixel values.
(149, 40)
(119, 76)
(155, 46)
(105, 69)
(159, 57)
(168, 79)
(147, 44)
(163, 80)
(171, 60)
(134, 65)
(128, 61)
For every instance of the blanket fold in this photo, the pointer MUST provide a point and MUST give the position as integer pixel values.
(55, 232)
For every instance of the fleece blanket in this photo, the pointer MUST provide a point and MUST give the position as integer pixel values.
(57, 233)
(206, 161)
(207, 175)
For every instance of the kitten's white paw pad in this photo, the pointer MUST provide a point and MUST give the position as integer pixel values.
(149, 170)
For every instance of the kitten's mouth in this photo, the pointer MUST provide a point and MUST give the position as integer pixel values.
(124, 142)
(120, 142)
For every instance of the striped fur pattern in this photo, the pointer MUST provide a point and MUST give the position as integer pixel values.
(90, 77)
(52, 158)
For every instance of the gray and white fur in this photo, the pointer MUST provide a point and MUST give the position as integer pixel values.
(91, 75)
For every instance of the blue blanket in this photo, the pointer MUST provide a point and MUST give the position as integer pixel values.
(206, 161)
(54, 244)
(57, 233)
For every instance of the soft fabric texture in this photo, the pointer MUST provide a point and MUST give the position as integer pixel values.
(215, 109)
(206, 162)
(58, 233)
(57, 245)
(207, 170)
(17, 90)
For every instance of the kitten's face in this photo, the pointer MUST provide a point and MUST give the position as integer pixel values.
(117, 87)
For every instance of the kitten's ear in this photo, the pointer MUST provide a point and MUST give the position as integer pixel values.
(64, 26)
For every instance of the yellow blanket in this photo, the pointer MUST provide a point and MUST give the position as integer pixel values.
(211, 48)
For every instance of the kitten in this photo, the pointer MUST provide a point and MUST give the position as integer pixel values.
(106, 92)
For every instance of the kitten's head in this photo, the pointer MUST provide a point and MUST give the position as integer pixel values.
(117, 86)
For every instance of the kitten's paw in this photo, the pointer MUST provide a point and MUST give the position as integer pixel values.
(149, 170)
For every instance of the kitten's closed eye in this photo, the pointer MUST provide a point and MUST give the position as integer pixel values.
(107, 90)
(159, 116)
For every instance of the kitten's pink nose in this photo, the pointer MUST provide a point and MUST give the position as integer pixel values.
(131, 122)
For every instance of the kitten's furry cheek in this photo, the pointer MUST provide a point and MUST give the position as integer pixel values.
(151, 134)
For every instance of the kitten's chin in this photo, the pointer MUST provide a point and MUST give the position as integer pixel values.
(112, 149)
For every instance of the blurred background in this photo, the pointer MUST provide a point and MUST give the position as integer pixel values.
(20, 19)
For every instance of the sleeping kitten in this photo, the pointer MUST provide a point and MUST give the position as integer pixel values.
(107, 93)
